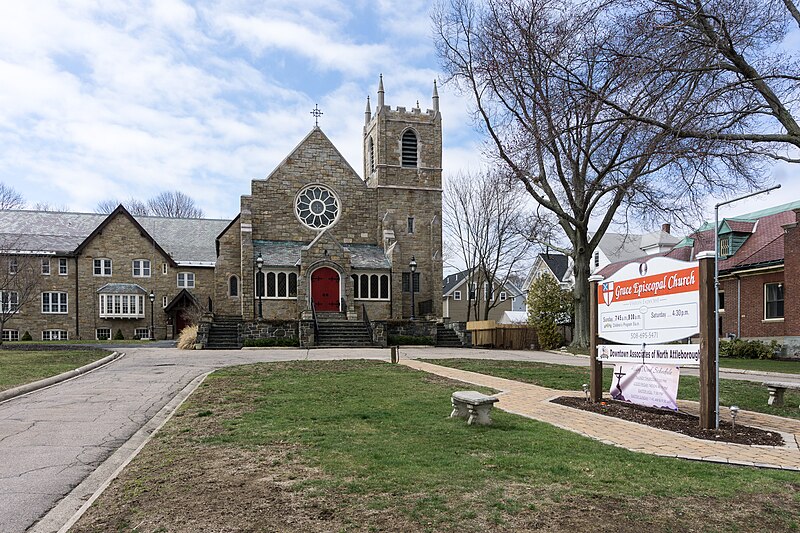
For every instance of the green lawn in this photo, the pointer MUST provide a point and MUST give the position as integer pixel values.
(762, 365)
(747, 395)
(368, 446)
(18, 367)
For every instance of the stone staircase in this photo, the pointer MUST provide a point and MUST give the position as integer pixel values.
(447, 337)
(224, 334)
(336, 330)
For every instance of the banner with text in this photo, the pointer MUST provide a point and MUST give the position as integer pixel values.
(650, 385)
(659, 354)
(655, 301)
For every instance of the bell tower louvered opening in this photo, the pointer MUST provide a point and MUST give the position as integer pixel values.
(409, 149)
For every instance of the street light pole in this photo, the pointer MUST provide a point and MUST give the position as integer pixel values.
(152, 328)
(259, 265)
(716, 289)
(413, 266)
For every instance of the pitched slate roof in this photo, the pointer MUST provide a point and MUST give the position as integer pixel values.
(121, 288)
(187, 240)
(557, 263)
(287, 254)
(452, 281)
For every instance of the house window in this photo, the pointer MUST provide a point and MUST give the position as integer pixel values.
(13, 266)
(46, 267)
(488, 294)
(724, 246)
(370, 286)
(54, 335)
(9, 301)
(721, 301)
(54, 302)
(410, 224)
(503, 296)
(10, 335)
(185, 280)
(141, 268)
(102, 267)
(409, 149)
(457, 295)
(121, 306)
(279, 285)
(773, 301)
(62, 266)
(407, 281)
(102, 334)
(233, 287)
(141, 333)
(164, 268)
(473, 290)
(371, 152)
(596, 259)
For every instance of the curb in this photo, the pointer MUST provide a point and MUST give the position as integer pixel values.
(74, 504)
(47, 382)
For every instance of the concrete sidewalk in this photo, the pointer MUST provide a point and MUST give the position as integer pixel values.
(532, 401)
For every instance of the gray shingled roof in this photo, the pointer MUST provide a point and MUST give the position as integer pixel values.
(187, 240)
(121, 288)
(557, 263)
(287, 254)
(451, 281)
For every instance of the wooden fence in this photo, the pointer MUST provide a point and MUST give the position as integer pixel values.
(506, 336)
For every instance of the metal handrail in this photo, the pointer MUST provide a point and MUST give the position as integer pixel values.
(366, 321)
(316, 323)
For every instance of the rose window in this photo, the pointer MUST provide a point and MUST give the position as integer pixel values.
(317, 207)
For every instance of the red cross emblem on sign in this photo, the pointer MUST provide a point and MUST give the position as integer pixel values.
(608, 292)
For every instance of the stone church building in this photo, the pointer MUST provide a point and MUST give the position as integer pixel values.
(313, 243)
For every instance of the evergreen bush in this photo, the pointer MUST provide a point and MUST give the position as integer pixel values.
(118, 336)
(748, 349)
(272, 341)
(26, 336)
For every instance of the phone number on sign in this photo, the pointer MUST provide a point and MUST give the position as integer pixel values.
(644, 335)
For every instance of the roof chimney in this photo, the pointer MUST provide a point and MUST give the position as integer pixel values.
(665, 228)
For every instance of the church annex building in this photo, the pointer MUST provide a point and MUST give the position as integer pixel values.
(313, 243)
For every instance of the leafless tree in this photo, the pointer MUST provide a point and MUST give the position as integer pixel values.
(539, 74)
(735, 56)
(20, 279)
(174, 204)
(10, 198)
(134, 206)
(486, 225)
(46, 206)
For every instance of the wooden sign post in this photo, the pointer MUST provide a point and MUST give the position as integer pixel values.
(708, 344)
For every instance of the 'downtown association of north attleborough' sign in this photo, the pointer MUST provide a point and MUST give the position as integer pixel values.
(653, 302)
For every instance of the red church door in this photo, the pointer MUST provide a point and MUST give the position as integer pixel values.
(325, 289)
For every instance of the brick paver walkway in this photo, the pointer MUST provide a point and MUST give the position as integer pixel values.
(532, 401)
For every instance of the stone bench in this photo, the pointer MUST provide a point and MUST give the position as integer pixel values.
(776, 390)
(472, 405)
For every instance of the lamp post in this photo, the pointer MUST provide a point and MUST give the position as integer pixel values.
(716, 290)
(152, 329)
(259, 265)
(413, 266)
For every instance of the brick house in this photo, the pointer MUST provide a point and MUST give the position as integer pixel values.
(312, 235)
(759, 272)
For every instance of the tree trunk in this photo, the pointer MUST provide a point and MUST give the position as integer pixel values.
(580, 293)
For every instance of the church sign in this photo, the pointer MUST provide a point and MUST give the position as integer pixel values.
(654, 302)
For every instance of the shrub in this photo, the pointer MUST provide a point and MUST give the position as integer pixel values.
(187, 338)
(745, 349)
(26, 336)
(118, 336)
(272, 341)
(415, 340)
(548, 335)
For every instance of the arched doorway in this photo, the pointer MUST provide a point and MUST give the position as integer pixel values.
(325, 289)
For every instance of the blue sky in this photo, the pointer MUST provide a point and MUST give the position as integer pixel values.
(109, 99)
